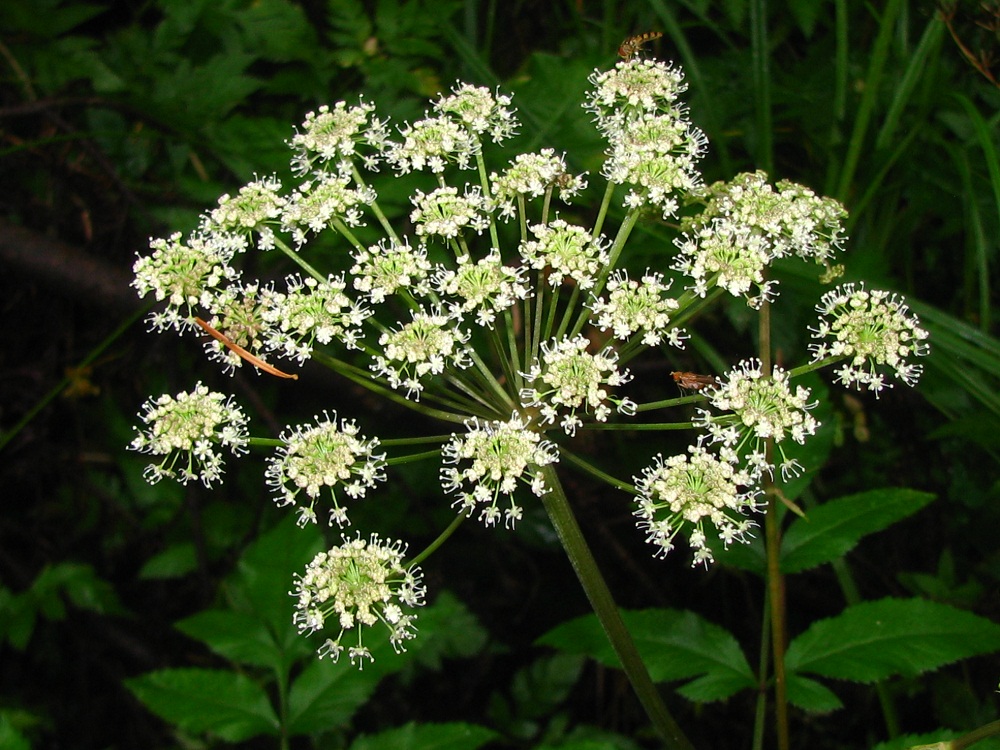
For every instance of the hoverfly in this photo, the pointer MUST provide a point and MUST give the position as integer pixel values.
(241, 352)
(691, 381)
(633, 45)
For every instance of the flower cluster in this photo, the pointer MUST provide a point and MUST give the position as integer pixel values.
(359, 584)
(501, 454)
(325, 455)
(758, 408)
(571, 380)
(870, 328)
(746, 225)
(479, 305)
(187, 431)
(688, 491)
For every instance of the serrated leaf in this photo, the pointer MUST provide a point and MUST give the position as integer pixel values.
(226, 704)
(327, 694)
(673, 644)
(237, 636)
(810, 695)
(412, 736)
(875, 640)
(835, 528)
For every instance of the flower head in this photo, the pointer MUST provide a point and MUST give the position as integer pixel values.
(445, 213)
(431, 144)
(188, 430)
(571, 380)
(389, 267)
(320, 458)
(320, 202)
(312, 312)
(425, 346)
(498, 455)
(257, 204)
(530, 175)
(872, 329)
(237, 313)
(762, 408)
(568, 250)
(485, 287)
(334, 135)
(632, 307)
(356, 585)
(186, 274)
(688, 491)
(479, 110)
(633, 88)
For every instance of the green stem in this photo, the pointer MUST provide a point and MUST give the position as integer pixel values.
(442, 538)
(561, 515)
(278, 243)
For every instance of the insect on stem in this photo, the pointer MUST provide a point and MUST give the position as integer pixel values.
(243, 353)
(691, 381)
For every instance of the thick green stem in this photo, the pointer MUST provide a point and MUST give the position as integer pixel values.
(561, 515)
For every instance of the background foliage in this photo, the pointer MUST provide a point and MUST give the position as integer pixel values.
(124, 120)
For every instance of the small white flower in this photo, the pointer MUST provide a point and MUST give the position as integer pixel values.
(358, 585)
(632, 88)
(871, 329)
(490, 461)
(426, 346)
(568, 250)
(445, 213)
(433, 143)
(317, 459)
(310, 313)
(688, 491)
(530, 176)
(570, 380)
(632, 307)
(187, 431)
(480, 111)
(390, 267)
(334, 135)
(186, 274)
(317, 203)
(485, 287)
(256, 204)
(761, 408)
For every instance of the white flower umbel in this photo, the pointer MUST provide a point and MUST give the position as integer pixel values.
(633, 307)
(480, 111)
(872, 329)
(569, 380)
(432, 144)
(390, 267)
(186, 275)
(237, 313)
(357, 585)
(761, 408)
(335, 135)
(258, 203)
(568, 250)
(320, 458)
(312, 312)
(633, 88)
(485, 287)
(187, 431)
(318, 203)
(746, 224)
(445, 213)
(685, 492)
(426, 346)
(502, 454)
(530, 176)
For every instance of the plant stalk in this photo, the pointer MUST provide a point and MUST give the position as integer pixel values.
(561, 515)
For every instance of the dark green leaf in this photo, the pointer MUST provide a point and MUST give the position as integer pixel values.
(673, 644)
(173, 562)
(875, 640)
(810, 695)
(414, 736)
(228, 705)
(238, 636)
(327, 694)
(834, 528)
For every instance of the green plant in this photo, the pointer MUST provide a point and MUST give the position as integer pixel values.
(503, 317)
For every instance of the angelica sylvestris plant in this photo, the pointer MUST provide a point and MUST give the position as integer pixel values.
(512, 325)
